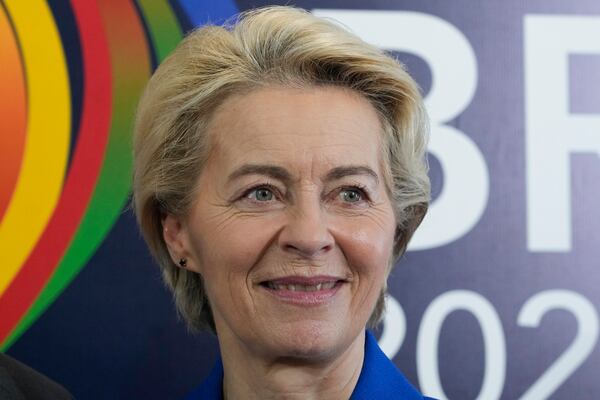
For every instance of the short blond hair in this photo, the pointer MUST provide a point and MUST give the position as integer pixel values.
(281, 46)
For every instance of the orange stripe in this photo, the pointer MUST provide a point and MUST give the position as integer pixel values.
(48, 133)
(13, 111)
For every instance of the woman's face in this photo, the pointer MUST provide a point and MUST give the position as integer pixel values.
(292, 227)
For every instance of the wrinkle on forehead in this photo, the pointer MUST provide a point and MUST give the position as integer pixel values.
(250, 112)
(307, 131)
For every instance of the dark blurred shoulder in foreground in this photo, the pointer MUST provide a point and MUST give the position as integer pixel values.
(20, 382)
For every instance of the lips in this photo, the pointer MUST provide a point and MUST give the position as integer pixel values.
(301, 287)
(304, 290)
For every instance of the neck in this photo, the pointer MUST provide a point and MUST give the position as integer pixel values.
(247, 376)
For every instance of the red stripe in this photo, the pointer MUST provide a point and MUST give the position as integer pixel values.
(83, 173)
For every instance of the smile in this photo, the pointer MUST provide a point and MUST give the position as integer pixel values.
(300, 287)
(304, 291)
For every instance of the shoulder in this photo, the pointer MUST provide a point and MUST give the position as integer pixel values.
(380, 378)
(211, 387)
(18, 381)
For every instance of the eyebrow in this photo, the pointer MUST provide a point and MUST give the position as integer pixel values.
(283, 175)
(273, 171)
(350, 170)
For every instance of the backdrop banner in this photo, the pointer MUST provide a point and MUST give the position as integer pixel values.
(498, 295)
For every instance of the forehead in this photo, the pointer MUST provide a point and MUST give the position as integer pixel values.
(295, 126)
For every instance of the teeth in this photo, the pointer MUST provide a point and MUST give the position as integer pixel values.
(328, 285)
(301, 288)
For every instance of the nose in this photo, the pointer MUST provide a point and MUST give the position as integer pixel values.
(306, 232)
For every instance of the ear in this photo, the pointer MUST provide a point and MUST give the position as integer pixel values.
(176, 237)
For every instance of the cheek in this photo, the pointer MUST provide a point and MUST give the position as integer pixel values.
(368, 245)
(372, 243)
(228, 253)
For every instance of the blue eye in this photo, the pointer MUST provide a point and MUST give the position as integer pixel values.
(262, 194)
(351, 195)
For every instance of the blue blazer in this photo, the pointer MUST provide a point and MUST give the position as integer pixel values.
(379, 379)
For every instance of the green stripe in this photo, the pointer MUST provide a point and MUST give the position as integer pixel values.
(165, 31)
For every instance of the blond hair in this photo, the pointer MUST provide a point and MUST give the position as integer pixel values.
(281, 46)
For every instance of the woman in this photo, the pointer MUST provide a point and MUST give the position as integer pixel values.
(279, 173)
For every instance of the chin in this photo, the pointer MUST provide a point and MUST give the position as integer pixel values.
(312, 340)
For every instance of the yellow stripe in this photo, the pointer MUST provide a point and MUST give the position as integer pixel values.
(48, 130)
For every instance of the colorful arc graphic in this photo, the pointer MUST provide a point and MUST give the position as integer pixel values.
(82, 174)
(45, 157)
(77, 216)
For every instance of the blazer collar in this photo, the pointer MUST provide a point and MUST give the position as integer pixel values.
(379, 379)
